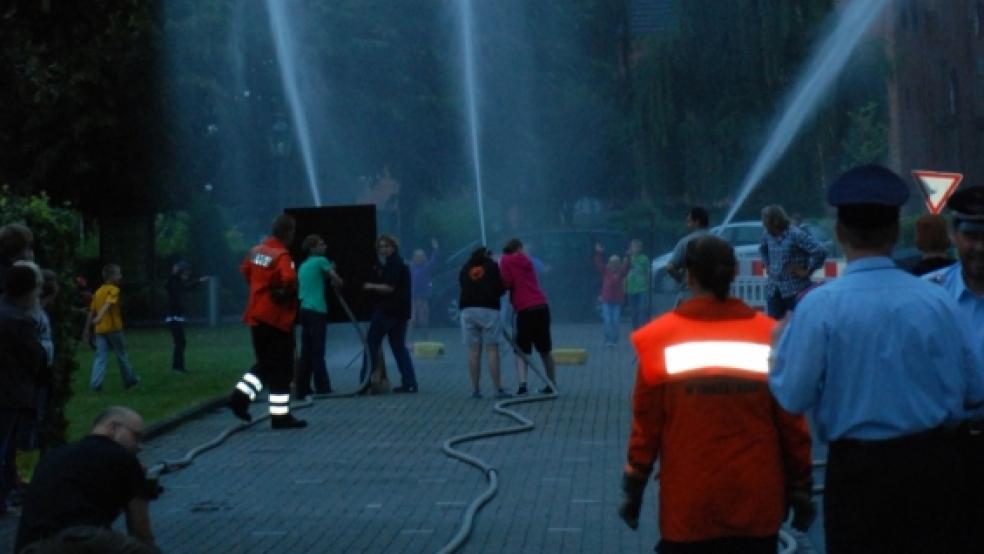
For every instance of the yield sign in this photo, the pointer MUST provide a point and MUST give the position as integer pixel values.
(936, 187)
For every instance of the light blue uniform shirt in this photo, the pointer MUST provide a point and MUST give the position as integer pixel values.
(876, 354)
(971, 305)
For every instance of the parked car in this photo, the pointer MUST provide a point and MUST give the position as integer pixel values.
(566, 271)
(745, 236)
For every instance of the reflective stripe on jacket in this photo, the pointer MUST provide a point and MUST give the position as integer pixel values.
(701, 406)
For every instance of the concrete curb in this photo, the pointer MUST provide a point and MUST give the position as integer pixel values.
(168, 424)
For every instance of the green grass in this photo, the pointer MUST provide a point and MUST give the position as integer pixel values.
(214, 358)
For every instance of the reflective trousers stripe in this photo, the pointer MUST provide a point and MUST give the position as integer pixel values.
(692, 356)
(279, 409)
(253, 382)
(247, 390)
(279, 398)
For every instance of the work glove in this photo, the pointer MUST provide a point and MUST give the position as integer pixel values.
(803, 508)
(632, 488)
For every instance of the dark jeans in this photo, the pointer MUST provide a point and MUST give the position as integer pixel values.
(274, 357)
(724, 545)
(313, 327)
(8, 449)
(178, 334)
(30, 426)
(395, 328)
(776, 306)
(895, 496)
(639, 309)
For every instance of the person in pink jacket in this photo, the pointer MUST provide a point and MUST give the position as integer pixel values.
(532, 312)
(612, 291)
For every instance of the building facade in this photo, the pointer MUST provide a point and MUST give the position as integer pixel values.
(936, 87)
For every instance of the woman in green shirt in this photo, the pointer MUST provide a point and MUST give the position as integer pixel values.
(314, 316)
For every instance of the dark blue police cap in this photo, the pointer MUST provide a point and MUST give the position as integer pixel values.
(868, 196)
(967, 206)
(868, 184)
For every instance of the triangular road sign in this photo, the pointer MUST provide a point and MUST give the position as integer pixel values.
(937, 187)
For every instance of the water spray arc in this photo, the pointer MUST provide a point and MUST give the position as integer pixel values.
(812, 86)
(286, 54)
(466, 23)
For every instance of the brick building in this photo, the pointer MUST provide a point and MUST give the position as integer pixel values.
(936, 87)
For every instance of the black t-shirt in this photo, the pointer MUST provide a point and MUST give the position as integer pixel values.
(176, 288)
(481, 285)
(85, 483)
(396, 274)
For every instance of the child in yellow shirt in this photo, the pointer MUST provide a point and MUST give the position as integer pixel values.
(106, 320)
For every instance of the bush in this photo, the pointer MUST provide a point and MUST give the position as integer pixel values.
(56, 239)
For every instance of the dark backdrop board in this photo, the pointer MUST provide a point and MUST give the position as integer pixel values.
(350, 233)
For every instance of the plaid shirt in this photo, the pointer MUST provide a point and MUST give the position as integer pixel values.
(793, 247)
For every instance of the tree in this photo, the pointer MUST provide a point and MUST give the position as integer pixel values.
(79, 108)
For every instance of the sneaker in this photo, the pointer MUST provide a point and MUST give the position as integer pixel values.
(129, 385)
(476, 395)
(287, 422)
(501, 394)
(239, 404)
(546, 390)
(521, 391)
(401, 390)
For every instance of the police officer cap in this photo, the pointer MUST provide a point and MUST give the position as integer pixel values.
(967, 206)
(868, 196)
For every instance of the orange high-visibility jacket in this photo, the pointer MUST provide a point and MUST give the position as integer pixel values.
(268, 266)
(701, 406)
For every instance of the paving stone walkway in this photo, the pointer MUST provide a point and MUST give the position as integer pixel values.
(368, 475)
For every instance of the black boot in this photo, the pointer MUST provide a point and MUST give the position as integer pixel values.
(239, 403)
(287, 422)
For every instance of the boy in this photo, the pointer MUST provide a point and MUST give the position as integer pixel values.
(106, 321)
(178, 283)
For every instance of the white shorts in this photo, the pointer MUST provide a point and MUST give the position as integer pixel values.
(481, 326)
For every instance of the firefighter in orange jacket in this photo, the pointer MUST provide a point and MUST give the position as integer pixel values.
(732, 461)
(270, 314)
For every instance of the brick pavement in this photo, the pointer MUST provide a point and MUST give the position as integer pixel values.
(369, 475)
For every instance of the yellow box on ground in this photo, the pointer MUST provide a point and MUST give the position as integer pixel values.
(570, 356)
(424, 349)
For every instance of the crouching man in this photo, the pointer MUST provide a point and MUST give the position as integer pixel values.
(79, 489)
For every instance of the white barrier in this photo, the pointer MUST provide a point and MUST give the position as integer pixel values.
(750, 289)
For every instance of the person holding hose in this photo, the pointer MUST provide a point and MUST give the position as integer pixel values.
(532, 312)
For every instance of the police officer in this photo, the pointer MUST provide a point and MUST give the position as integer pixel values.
(270, 314)
(964, 282)
(731, 460)
(882, 360)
